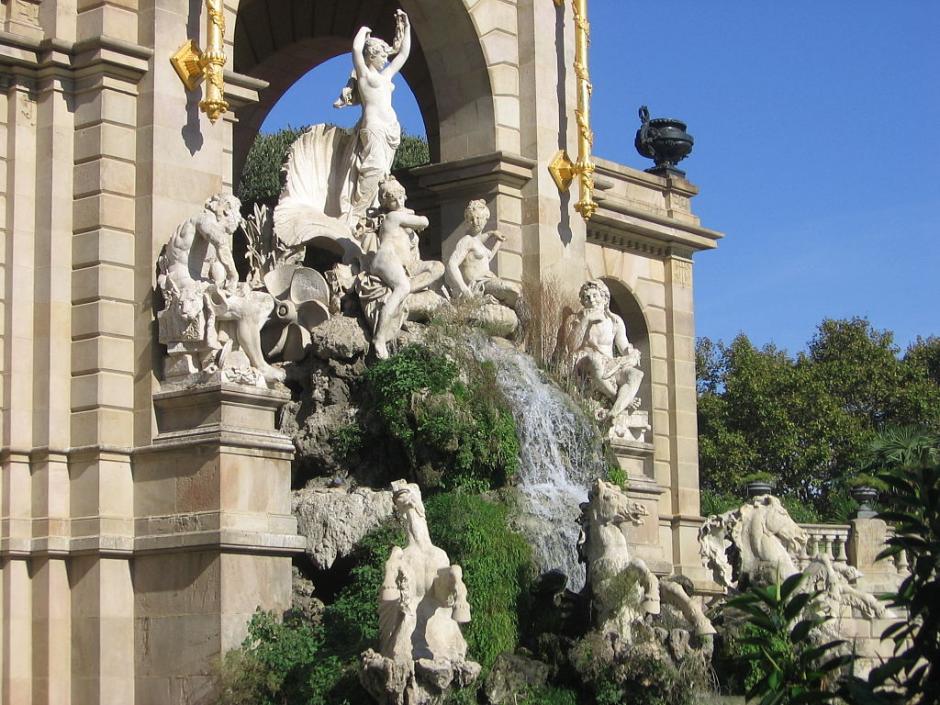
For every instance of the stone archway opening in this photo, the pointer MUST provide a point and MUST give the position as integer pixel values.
(625, 304)
(279, 41)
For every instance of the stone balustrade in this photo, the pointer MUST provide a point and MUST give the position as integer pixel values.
(857, 544)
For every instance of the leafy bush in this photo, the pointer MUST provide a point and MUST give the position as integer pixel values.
(791, 669)
(639, 674)
(908, 462)
(497, 568)
(283, 663)
(453, 433)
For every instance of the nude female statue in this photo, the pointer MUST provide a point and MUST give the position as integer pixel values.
(468, 268)
(378, 131)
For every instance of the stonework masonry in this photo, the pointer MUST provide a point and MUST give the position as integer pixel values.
(138, 530)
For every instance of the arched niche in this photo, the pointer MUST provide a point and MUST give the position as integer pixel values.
(279, 41)
(625, 304)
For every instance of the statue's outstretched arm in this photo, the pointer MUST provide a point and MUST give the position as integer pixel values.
(358, 45)
(401, 57)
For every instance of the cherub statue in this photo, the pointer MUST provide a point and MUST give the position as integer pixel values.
(468, 270)
(396, 271)
(201, 288)
(596, 343)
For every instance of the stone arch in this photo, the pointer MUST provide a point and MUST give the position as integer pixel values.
(625, 304)
(280, 40)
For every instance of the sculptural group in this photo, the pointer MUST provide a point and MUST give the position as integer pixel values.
(422, 603)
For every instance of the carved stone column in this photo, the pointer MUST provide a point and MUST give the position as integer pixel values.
(214, 532)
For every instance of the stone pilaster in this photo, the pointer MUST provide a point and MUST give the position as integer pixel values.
(553, 233)
(683, 439)
(108, 65)
(214, 533)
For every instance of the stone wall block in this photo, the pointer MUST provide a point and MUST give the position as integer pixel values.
(108, 19)
(105, 175)
(104, 210)
(106, 281)
(104, 426)
(103, 317)
(494, 15)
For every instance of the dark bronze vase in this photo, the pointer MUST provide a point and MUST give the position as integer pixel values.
(665, 141)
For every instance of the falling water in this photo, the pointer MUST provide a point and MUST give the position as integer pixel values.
(560, 456)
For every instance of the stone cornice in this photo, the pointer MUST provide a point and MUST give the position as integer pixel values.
(473, 173)
(26, 57)
(622, 226)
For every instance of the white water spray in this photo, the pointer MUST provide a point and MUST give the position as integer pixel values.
(560, 457)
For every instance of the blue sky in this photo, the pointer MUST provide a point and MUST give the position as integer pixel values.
(817, 128)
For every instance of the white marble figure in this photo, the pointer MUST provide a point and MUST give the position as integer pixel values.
(422, 603)
(201, 289)
(768, 546)
(378, 131)
(623, 589)
(396, 272)
(596, 343)
(332, 175)
(468, 267)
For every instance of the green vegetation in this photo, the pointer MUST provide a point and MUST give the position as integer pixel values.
(907, 460)
(637, 674)
(497, 568)
(453, 432)
(782, 665)
(260, 180)
(808, 419)
(283, 663)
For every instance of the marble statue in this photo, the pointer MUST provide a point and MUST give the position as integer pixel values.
(332, 175)
(422, 603)
(378, 131)
(595, 340)
(623, 589)
(211, 321)
(468, 267)
(759, 543)
(395, 273)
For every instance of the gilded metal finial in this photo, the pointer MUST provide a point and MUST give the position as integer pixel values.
(193, 65)
(562, 169)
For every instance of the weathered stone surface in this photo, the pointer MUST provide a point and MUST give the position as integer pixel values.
(341, 337)
(334, 519)
(512, 675)
(303, 598)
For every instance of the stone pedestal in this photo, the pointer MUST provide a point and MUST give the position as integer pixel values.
(636, 459)
(213, 535)
(866, 540)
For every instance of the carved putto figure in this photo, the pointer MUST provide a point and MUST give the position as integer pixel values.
(596, 343)
(396, 272)
(422, 603)
(624, 590)
(200, 286)
(760, 543)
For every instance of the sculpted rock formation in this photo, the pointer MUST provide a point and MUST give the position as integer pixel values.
(760, 543)
(211, 321)
(422, 604)
(334, 519)
(595, 341)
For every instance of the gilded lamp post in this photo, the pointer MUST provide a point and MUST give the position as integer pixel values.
(562, 169)
(193, 65)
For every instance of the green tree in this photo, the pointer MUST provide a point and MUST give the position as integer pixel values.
(260, 180)
(808, 419)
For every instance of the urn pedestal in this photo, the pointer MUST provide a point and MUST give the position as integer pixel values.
(214, 533)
